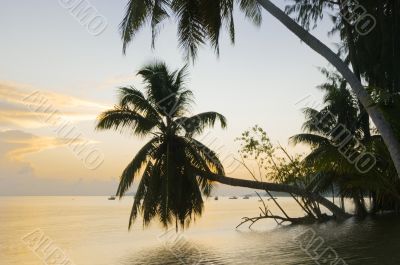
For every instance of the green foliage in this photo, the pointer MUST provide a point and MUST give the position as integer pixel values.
(389, 102)
(271, 162)
(199, 21)
(255, 144)
(329, 160)
(169, 188)
(308, 12)
(374, 56)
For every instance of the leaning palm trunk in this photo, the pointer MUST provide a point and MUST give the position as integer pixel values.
(373, 110)
(336, 211)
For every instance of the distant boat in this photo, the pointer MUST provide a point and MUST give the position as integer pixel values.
(233, 198)
(216, 198)
(246, 197)
(111, 198)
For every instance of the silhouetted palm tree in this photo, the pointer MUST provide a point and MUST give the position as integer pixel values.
(169, 188)
(201, 21)
(330, 153)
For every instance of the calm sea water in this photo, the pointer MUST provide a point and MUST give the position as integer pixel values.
(93, 230)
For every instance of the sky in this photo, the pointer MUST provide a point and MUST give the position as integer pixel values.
(48, 55)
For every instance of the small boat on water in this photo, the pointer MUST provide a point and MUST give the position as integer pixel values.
(216, 198)
(111, 198)
(233, 198)
(246, 197)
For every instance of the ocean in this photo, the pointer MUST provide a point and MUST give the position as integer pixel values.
(93, 230)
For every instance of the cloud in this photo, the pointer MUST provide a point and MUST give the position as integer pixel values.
(17, 144)
(26, 107)
(18, 176)
(22, 144)
(14, 145)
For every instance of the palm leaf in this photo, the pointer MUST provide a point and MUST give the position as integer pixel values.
(134, 99)
(159, 13)
(197, 123)
(191, 31)
(252, 10)
(137, 11)
(122, 118)
(141, 158)
(311, 139)
(140, 193)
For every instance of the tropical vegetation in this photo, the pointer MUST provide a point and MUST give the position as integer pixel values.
(175, 169)
(336, 136)
(333, 152)
(168, 189)
(201, 21)
(358, 118)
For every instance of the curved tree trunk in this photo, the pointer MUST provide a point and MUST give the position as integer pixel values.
(364, 117)
(374, 112)
(337, 211)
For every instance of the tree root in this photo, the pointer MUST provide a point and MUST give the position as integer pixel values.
(267, 214)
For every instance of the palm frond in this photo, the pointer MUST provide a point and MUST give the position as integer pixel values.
(140, 193)
(252, 10)
(311, 139)
(199, 22)
(191, 31)
(159, 13)
(161, 87)
(180, 78)
(182, 104)
(197, 123)
(134, 99)
(140, 159)
(137, 12)
(209, 156)
(211, 15)
(123, 118)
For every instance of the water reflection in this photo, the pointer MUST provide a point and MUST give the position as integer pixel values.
(168, 254)
(93, 230)
(374, 241)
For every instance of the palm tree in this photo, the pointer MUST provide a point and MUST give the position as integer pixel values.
(200, 21)
(175, 168)
(374, 56)
(168, 188)
(332, 166)
(329, 159)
